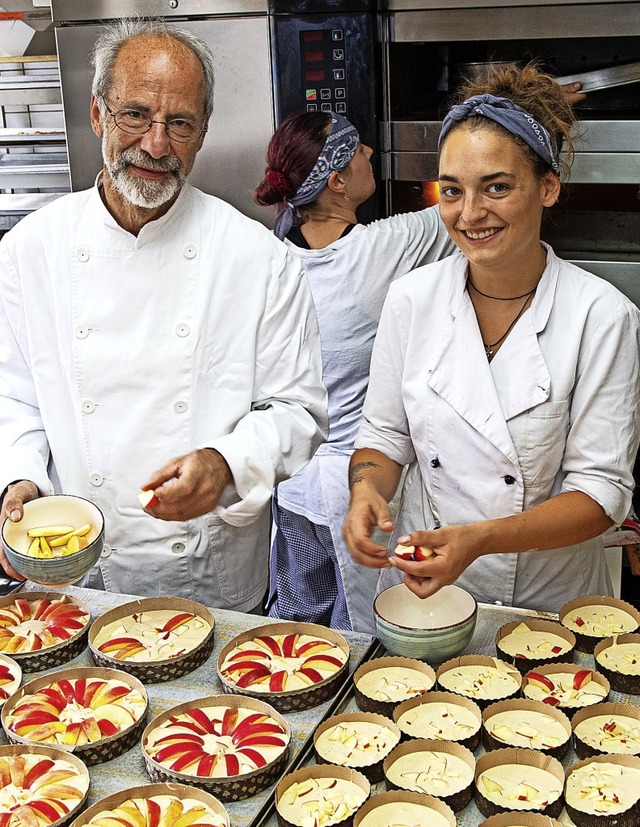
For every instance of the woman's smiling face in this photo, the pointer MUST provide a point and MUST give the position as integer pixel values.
(491, 202)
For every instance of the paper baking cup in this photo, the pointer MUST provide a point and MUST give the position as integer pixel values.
(7, 689)
(148, 791)
(471, 741)
(552, 669)
(630, 818)
(50, 657)
(521, 820)
(587, 643)
(611, 709)
(395, 797)
(526, 757)
(479, 661)
(457, 801)
(54, 754)
(231, 788)
(320, 771)
(490, 742)
(160, 670)
(373, 772)
(368, 704)
(99, 751)
(524, 664)
(295, 699)
(627, 684)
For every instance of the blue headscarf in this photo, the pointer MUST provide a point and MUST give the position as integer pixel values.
(510, 116)
(337, 152)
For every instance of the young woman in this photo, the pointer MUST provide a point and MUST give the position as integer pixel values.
(510, 376)
(318, 174)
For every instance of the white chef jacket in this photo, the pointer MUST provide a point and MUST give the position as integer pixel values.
(119, 352)
(555, 410)
(349, 280)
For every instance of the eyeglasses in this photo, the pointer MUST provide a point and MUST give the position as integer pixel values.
(134, 122)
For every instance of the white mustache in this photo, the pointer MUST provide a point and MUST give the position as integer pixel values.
(134, 156)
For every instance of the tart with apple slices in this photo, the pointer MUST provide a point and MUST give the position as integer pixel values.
(40, 786)
(534, 643)
(439, 768)
(156, 805)
(156, 639)
(10, 677)
(520, 819)
(609, 728)
(229, 745)
(358, 740)
(596, 617)
(604, 791)
(519, 779)
(480, 678)
(566, 686)
(400, 808)
(527, 724)
(440, 715)
(383, 683)
(294, 666)
(96, 713)
(618, 659)
(43, 629)
(319, 796)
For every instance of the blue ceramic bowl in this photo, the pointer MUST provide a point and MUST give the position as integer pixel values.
(434, 629)
(59, 509)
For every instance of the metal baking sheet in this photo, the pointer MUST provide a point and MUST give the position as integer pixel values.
(604, 78)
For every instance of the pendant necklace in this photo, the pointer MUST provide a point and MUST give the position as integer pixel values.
(488, 348)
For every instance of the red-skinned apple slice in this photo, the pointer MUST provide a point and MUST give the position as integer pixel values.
(581, 678)
(148, 499)
(253, 676)
(269, 643)
(253, 755)
(541, 681)
(177, 620)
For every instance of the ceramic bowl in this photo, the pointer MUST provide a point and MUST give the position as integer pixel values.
(433, 629)
(58, 509)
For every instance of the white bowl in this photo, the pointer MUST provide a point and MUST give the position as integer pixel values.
(434, 628)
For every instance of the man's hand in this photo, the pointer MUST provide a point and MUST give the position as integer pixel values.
(16, 495)
(367, 511)
(189, 486)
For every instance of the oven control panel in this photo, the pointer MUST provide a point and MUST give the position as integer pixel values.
(324, 70)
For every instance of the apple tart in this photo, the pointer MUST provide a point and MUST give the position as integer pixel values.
(444, 716)
(534, 643)
(526, 724)
(608, 728)
(40, 786)
(97, 713)
(604, 791)
(566, 686)
(358, 740)
(10, 677)
(399, 808)
(230, 746)
(596, 617)
(383, 683)
(480, 678)
(320, 796)
(618, 659)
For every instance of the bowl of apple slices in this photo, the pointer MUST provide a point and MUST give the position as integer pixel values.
(57, 541)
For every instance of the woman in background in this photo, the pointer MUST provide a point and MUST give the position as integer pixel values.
(512, 377)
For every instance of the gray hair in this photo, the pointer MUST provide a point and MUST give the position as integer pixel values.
(114, 36)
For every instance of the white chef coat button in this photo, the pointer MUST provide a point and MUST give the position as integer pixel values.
(508, 479)
(82, 255)
(180, 406)
(96, 479)
(499, 603)
(106, 551)
(183, 330)
(88, 406)
(81, 331)
(178, 548)
(190, 251)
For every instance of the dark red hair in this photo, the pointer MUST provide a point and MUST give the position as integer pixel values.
(292, 152)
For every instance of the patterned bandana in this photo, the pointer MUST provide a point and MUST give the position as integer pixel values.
(509, 115)
(337, 152)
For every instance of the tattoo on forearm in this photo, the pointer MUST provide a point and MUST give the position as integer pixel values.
(355, 473)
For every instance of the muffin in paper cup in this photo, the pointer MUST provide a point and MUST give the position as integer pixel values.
(604, 791)
(291, 666)
(43, 630)
(606, 729)
(154, 639)
(618, 659)
(566, 686)
(329, 794)
(229, 745)
(403, 807)
(356, 740)
(596, 617)
(520, 820)
(439, 768)
(38, 785)
(519, 779)
(443, 716)
(480, 678)
(10, 677)
(110, 708)
(533, 642)
(383, 683)
(156, 803)
(526, 724)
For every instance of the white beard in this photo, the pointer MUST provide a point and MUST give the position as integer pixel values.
(142, 192)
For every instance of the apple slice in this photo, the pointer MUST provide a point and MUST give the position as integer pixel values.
(148, 499)
(581, 678)
(541, 681)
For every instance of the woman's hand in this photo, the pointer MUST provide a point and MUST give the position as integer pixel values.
(367, 511)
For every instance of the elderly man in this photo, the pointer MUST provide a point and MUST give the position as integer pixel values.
(143, 318)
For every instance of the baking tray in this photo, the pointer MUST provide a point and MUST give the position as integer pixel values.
(604, 78)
